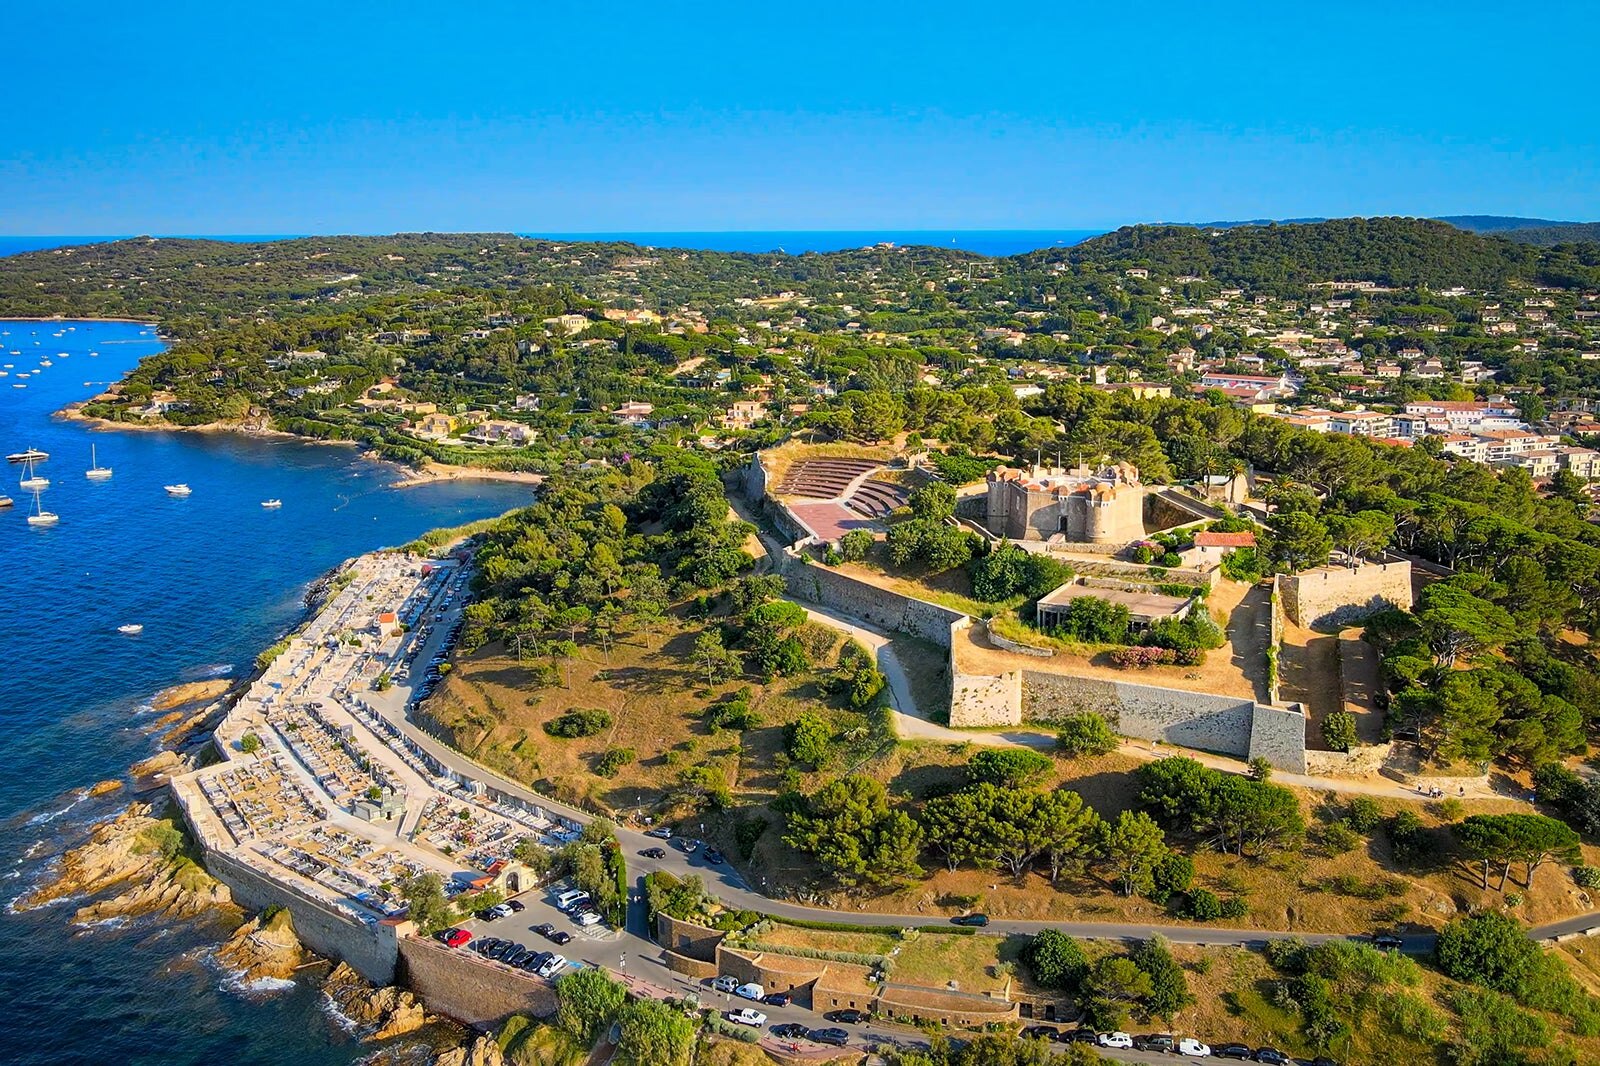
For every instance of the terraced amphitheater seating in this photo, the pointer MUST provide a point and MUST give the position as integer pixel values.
(877, 499)
(824, 479)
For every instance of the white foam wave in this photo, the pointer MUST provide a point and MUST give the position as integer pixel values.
(46, 817)
(234, 980)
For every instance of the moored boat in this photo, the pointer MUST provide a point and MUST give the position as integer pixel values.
(177, 490)
(32, 455)
(132, 629)
(271, 503)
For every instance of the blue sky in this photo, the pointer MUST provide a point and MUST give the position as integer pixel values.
(561, 117)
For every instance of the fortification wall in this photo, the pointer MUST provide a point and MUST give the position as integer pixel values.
(755, 478)
(858, 599)
(370, 950)
(978, 700)
(1278, 735)
(687, 938)
(916, 1004)
(1339, 595)
(1005, 644)
(1365, 761)
(468, 989)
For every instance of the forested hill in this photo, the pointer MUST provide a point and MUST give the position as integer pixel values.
(1550, 236)
(1401, 252)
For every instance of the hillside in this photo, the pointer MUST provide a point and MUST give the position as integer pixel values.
(1398, 252)
(1551, 236)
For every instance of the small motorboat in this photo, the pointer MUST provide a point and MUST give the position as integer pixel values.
(32, 455)
(177, 490)
(271, 503)
(5, 501)
(133, 629)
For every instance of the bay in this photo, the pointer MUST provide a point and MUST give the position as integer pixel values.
(213, 578)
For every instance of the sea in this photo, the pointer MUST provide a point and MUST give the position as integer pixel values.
(996, 242)
(213, 578)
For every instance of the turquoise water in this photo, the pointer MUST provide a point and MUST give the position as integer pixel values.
(213, 578)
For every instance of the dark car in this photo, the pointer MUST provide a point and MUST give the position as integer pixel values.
(516, 958)
(1272, 1055)
(1230, 1051)
(654, 853)
(714, 857)
(1080, 1036)
(1387, 942)
(1322, 1060)
(777, 999)
(1155, 1042)
(1040, 1032)
(836, 1037)
(850, 1016)
(516, 906)
(978, 920)
(560, 936)
(544, 929)
(488, 914)
(788, 1031)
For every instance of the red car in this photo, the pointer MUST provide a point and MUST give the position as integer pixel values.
(456, 938)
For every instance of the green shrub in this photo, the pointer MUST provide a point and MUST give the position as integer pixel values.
(1085, 734)
(1339, 730)
(1586, 876)
(612, 760)
(1235, 907)
(1203, 905)
(579, 722)
(1363, 814)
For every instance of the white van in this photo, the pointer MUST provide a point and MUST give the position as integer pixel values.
(572, 896)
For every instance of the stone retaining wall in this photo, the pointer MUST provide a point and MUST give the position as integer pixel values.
(468, 989)
(1005, 644)
(891, 610)
(1339, 595)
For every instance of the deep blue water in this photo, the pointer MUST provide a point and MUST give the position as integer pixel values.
(984, 242)
(213, 578)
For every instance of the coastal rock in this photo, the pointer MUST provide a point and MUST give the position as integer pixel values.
(138, 850)
(104, 788)
(189, 692)
(482, 1051)
(157, 769)
(265, 946)
(380, 1013)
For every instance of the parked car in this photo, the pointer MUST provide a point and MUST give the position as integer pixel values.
(516, 905)
(560, 936)
(725, 983)
(746, 1016)
(1232, 1051)
(1040, 1032)
(488, 914)
(750, 991)
(588, 918)
(836, 1037)
(714, 856)
(777, 999)
(849, 1016)
(685, 845)
(554, 965)
(1155, 1042)
(978, 920)
(1116, 1040)
(544, 929)
(1081, 1036)
(660, 832)
(1273, 1056)
(1322, 1060)
(501, 910)
(1387, 942)
(654, 853)
(455, 938)
(1193, 1048)
(789, 1031)
(571, 898)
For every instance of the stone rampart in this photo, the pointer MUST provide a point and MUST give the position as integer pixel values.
(859, 599)
(471, 990)
(915, 1005)
(1005, 644)
(984, 700)
(370, 950)
(1339, 595)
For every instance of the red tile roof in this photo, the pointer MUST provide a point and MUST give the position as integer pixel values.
(1224, 540)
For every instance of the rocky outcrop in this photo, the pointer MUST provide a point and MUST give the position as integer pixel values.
(160, 768)
(482, 1051)
(189, 692)
(379, 1013)
(141, 853)
(104, 788)
(264, 947)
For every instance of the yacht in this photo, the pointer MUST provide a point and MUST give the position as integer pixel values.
(41, 517)
(32, 455)
(133, 629)
(32, 480)
(271, 503)
(177, 490)
(5, 501)
(96, 472)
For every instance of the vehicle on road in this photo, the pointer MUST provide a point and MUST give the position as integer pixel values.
(1232, 1051)
(685, 845)
(1081, 1036)
(660, 832)
(746, 1016)
(714, 857)
(976, 920)
(588, 918)
(725, 983)
(516, 905)
(455, 938)
(776, 999)
(1155, 1042)
(654, 853)
(750, 991)
(790, 1031)
(544, 929)
(1272, 1056)
(849, 1016)
(560, 936)
(1387, 942)
(1115, 1040)
(1041, 1032)
(1193, 1048)
(836, 1037)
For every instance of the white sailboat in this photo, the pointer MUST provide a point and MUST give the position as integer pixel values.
(179, 489)
(41, 517)
(96, 472)
(32, 480)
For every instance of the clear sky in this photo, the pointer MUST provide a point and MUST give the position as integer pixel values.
(545, 115)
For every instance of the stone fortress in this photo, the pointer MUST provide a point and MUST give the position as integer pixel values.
(1091, 514)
